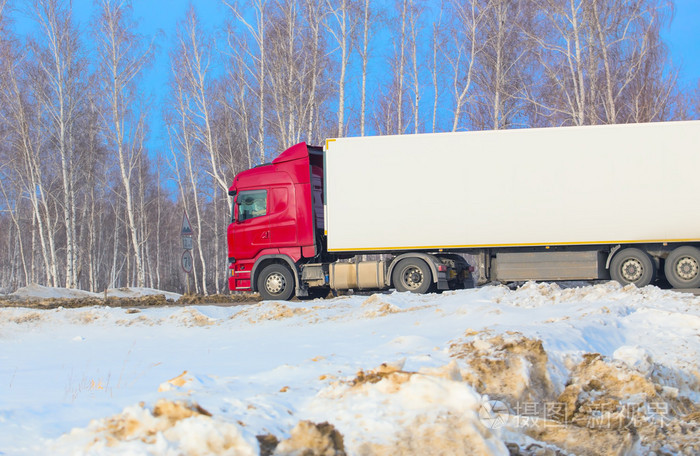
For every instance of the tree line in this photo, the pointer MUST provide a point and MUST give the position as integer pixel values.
(87, 203)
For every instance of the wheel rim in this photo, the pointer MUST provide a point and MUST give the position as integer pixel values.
(687, 268)
(631, 269)
(412, 277)
(275, 283)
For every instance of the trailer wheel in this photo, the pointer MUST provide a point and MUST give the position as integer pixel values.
(276, 282)
(633, 266)
(412, 274)
(682, 267)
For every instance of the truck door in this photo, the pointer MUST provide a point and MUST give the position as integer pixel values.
(283, 222)
(252, 223)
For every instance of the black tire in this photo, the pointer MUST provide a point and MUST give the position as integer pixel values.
(276, 282)
(412, 274)
(682, 267)
(633, 266)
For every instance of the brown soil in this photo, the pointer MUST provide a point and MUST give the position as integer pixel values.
(606, 407)
(615, 406)
(239, 298)
(267, 443)
(310, 439)
(176, 411)
(391, 371)
(508, 367)
(124, 426)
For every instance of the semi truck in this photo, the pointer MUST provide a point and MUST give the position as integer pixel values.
(603, 202)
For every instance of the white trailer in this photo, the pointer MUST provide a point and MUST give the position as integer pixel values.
(541, 204)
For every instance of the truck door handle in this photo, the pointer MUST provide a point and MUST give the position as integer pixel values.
(265, 235)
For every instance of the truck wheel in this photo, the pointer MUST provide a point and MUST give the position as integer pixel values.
(276, 282)
(633, 266)
(412, 274)
(682, 267)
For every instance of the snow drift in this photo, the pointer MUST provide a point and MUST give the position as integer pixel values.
(592, 370)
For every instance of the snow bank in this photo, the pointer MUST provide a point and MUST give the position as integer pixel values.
(136, 292)
(170, 428)
(40, 292)
(34, 291)
(388, 411)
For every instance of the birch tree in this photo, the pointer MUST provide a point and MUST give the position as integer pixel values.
(284, 74)
(601, 61)
(501, 62)
(195, 50)
(315, 16)
(461, 48)
(401, 66)
(391, 109)
(182, 148)
(342, 30)
(194, 68)
(414, 31)
(562, 51)
(60, 87)
(257, 54)
(364, 56)
(123, 55)
(23, 148)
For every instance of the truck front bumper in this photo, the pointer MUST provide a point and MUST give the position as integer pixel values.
(239, 278)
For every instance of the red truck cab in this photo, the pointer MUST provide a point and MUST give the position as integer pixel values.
(276, 218)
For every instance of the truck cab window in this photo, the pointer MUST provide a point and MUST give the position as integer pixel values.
(251, 204)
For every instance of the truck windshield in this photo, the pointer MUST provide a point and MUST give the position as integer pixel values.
(251, 204)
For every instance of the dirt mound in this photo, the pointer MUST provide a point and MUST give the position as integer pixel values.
(197, 299)
(27, 318)
(508, 367)
(390, 411)
(606, 408)
(599, 386)
(74, 303)
(375, 307)
(183, 427)
(582, 441)
(165, 414)
(176, 411)
(391, 371)
(134, 301)
(607, 397)
(193, 318)
(280, 311)
(266, 311)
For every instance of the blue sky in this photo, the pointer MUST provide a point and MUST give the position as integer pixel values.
(682, 37)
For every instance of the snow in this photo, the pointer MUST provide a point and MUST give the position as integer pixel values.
(139, 292)
(38, 291)
(34, 291)
(390, 373)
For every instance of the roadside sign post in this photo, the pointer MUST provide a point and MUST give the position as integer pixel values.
(187, 260)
